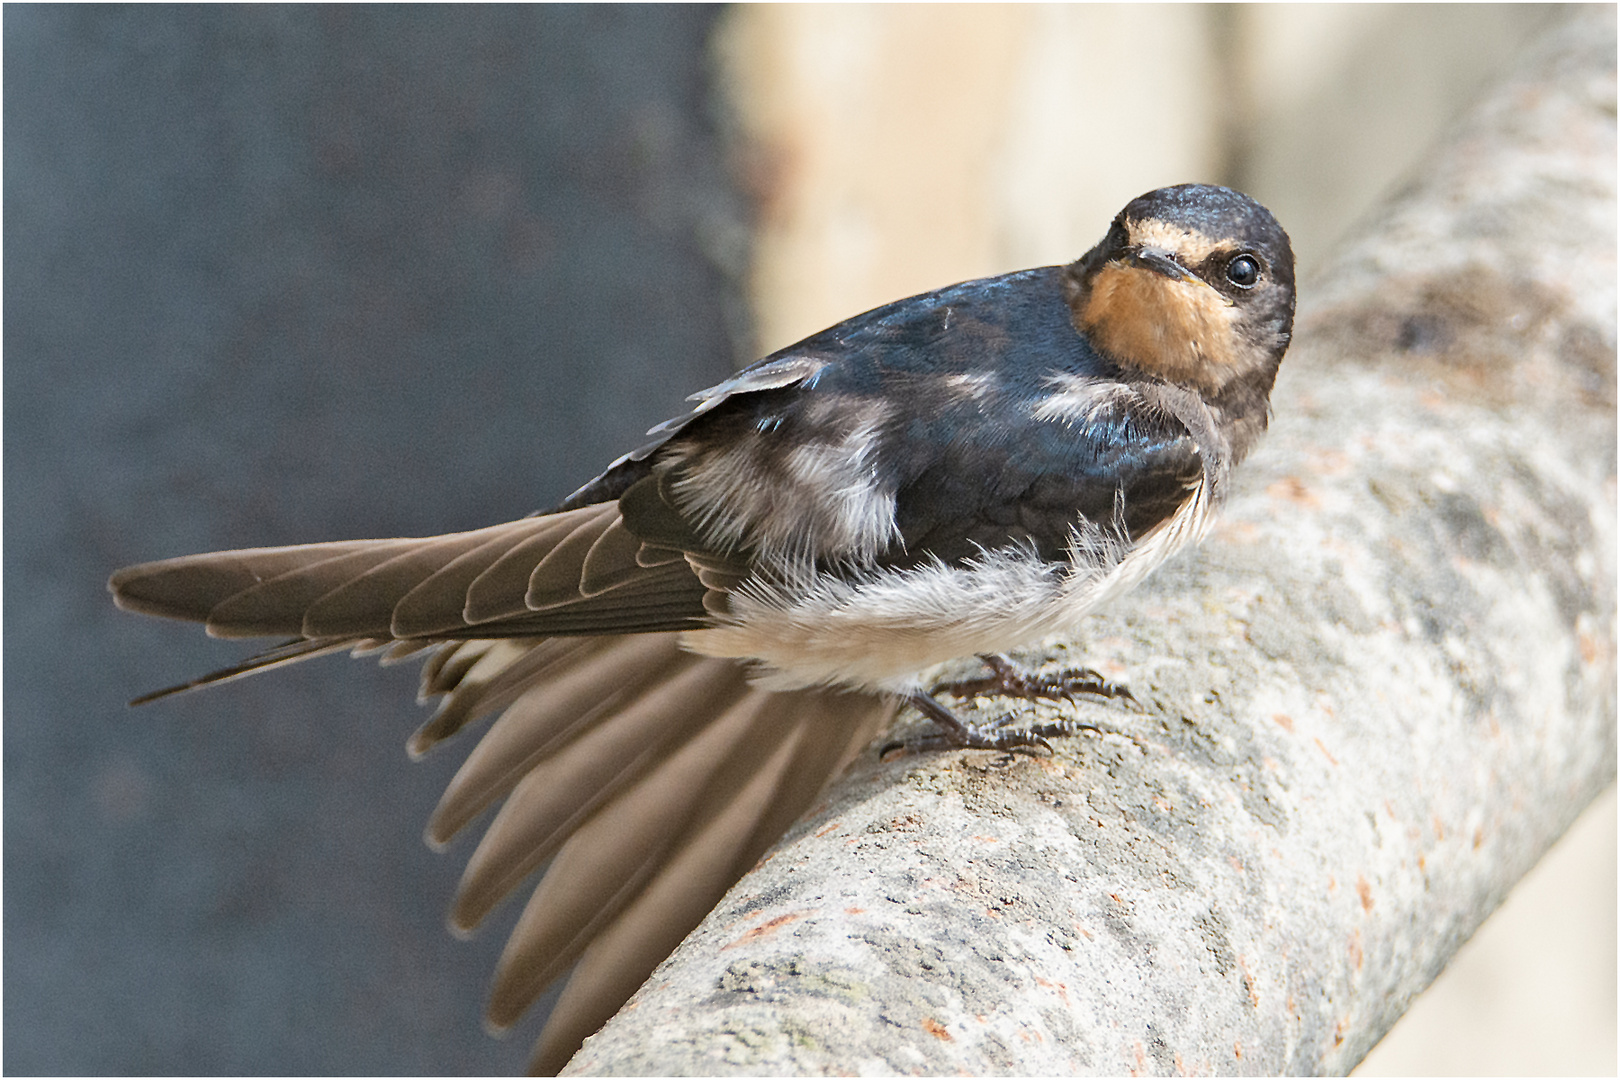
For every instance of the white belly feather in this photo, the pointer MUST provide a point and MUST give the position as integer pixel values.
(884, 630)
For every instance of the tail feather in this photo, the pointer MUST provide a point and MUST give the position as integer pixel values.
(667, 792)
(810, 735)
(606, 677)
(547, 796)
(290, 653)
(487, 675)
(394, 652)
(601, 868)
(650, 777)
(450, 668)
(678, 874)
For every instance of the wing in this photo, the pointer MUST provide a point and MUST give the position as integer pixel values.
(789, 367)
(1084, 451)
(577, 572)
(971, 418)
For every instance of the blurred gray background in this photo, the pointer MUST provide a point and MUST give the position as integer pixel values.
(287, 274)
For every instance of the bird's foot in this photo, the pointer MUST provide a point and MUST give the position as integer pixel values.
(956, 734)
(1007, 679)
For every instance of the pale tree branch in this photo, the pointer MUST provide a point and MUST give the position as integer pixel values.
(1373, 699)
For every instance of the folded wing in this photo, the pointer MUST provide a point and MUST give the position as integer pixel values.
(575, 572)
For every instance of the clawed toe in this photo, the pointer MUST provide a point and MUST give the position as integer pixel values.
(1007, 679)
(955, 734)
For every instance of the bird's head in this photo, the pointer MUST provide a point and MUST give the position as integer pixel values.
(1193, 284)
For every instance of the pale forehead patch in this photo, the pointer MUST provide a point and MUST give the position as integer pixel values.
(1192, 245)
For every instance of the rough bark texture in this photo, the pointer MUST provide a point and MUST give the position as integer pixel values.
(1374, 698)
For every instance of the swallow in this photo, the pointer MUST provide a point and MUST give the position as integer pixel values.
(683, 652)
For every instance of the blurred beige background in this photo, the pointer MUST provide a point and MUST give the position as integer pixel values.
(898, 148)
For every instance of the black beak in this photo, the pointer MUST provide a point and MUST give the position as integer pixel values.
(1160, 261)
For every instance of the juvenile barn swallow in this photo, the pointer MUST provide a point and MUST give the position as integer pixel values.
(686, 649)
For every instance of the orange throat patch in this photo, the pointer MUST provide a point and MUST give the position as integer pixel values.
(1179, 331)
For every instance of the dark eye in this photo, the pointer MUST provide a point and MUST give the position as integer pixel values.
(1243, 271)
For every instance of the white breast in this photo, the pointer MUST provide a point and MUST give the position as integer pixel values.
(882, 631)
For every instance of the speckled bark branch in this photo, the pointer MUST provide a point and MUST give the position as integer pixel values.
(1376, 696)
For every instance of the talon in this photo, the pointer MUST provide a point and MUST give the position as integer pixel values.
(956, 735)
(1007, 679)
